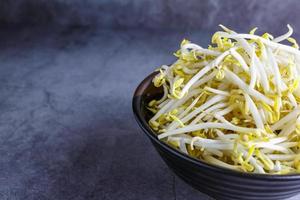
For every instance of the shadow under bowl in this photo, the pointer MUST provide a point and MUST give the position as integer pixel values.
(219, 183)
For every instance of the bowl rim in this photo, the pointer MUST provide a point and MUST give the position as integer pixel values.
(136, 106)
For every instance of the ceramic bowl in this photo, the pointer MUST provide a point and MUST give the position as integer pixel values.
(217, 182)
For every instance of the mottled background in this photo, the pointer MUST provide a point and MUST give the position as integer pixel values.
(68, 70)
(271, 15)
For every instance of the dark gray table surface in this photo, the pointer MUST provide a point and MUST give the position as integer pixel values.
(67, 129)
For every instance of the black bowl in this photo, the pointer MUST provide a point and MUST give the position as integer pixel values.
(217, 182)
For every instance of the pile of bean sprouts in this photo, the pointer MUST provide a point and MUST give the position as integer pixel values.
(235, 104)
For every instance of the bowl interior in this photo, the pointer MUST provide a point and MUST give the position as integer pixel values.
(146, 92)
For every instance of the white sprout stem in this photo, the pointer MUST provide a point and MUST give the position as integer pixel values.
(242, 41)
(216, 152)
(181, 101)
(222, 119)
(253, 161)
(162, 104)
(196, 139)
(292, 115)
(263, 116)
(288, 129)
(253, 70)
(205, 79)
(225, 111)
(216, 91)
(177, 77)
(203, 71)
(254, 112)
(227, 136)
(284, 36)
(240, 59)
(277, 167)
(219, 133)
(208, 144)
(297, 61)
(288, 144)
(162, 110)
(187, 110)
(268, 162)
(164, 97)
(182, 146)
(292, 99)
(242, 85)
(199, 65)
(265, 41)
(275, 67)
(277, 140)
(260, 68)
(186, 47)
(272, 147)
(212, 160)
(189, 71)
(282, 157)
(207, 125)
(226, 29)
(210, 102)
(207, 111)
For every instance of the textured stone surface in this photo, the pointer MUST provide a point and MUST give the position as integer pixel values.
(67, 130)
(271, 15)
(66, 126)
